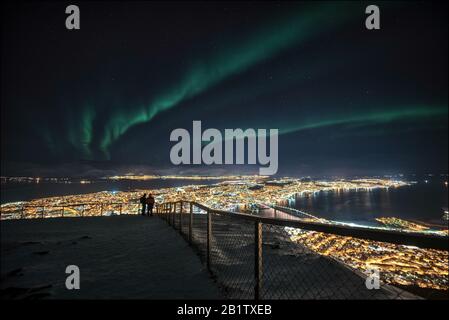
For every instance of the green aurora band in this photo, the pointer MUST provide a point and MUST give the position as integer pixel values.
(264, 45)
(371, 118)
(81, 132)
(415, 113)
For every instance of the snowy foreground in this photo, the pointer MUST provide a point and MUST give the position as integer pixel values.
(119, 257)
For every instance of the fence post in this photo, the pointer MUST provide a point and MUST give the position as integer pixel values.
(62, 214)
(82, 212)
(180, 216)
(190, 222)
(101, 209)
(121, 208)
(22, 214)
(168, 214)
(176, 211)
(258, 259)
(209, 237)
(43, 211)
(167, 210)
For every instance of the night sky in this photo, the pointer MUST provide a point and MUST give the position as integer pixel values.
(104, 99)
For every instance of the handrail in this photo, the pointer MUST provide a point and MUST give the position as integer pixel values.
(61, 208)
(391, 236)
(73, 204)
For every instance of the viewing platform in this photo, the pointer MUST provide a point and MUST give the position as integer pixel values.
(190, 251)
(119, 257)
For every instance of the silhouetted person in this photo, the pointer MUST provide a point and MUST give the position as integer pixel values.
(143, 202)
(150, 205)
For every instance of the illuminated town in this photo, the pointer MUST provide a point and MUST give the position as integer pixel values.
(402, 265)
(401, 224)
(230, 194)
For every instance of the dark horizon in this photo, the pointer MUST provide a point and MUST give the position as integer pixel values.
(87, 170)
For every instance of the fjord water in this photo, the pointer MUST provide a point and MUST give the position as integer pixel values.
(421, 202)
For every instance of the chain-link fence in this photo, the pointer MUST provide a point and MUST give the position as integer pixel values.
(253, 257)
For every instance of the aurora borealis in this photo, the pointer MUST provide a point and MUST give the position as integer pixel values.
(211, 70)
(344, 99)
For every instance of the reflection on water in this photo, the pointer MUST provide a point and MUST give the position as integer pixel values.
(420, 202)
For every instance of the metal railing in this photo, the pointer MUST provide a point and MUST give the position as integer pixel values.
(254, 257)
(87, 209)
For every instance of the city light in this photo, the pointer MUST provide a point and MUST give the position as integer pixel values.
(400, 264)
